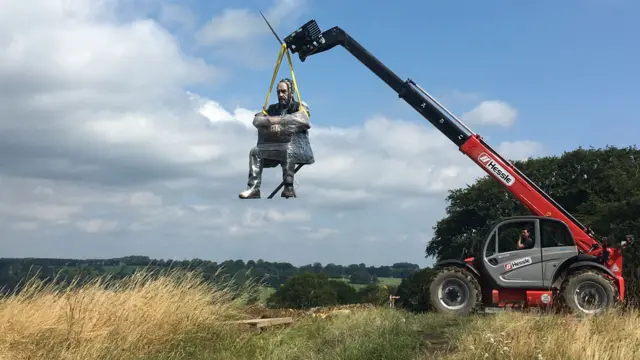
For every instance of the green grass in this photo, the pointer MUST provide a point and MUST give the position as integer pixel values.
(374, 334)
(355, 286)
(392, 334)
(266, 291)
(390, 281)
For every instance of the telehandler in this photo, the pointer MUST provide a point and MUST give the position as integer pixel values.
(564, 265)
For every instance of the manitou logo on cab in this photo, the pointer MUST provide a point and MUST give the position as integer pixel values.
(517, 263)
(500, 172)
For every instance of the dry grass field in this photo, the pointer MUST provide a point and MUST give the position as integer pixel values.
(179, 317)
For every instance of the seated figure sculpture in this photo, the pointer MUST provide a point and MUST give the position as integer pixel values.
(283, 139)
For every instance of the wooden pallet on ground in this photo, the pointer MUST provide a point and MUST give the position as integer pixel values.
(260, 324)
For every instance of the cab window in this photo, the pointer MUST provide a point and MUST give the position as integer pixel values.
(491, 245)
(516, 236)
(554, 233)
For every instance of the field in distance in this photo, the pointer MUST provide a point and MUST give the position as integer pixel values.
(266, 291)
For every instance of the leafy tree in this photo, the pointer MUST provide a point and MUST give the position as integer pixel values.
(333, 271)
(373, 294)
(361, 276)
(413, 291)
(345, 293)
(305, 291)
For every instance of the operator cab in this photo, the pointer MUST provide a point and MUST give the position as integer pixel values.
(525, 252)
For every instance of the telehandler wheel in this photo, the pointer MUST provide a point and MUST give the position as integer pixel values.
(455, 290)
(588, 292)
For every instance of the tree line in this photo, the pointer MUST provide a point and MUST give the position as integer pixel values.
(14, 271)
(309, 289)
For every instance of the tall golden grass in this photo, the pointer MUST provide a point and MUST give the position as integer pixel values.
(179, 316)
(513, 335)
(132, 318)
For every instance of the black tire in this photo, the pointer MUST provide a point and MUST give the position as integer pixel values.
(461, 282)
(587, 283)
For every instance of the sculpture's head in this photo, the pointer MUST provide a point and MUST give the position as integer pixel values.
(285, 91)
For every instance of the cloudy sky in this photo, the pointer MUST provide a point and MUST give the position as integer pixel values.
(125, 126)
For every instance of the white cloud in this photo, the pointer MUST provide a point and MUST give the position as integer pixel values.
(242, 25)
(144, 199)
(239, 34)
(521, 150)
(277, 216)
(103, 153)
(491, 112)
(97, 225)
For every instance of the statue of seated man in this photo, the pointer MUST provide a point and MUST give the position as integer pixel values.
(283, 139)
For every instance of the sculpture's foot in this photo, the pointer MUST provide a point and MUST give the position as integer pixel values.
(288, 192)
(252, 193)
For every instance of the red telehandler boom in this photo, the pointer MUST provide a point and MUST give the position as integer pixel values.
(565, 264)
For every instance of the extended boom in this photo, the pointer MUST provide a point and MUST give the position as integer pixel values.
(309, 40)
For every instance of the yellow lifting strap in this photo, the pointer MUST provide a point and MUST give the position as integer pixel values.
(283, 50)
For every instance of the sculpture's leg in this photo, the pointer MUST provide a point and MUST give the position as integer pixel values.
(256, 166)
(288, 173)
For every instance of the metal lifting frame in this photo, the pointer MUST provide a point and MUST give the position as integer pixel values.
(274, 192)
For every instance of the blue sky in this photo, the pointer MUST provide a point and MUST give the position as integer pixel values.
(160, 173)
(569, 67)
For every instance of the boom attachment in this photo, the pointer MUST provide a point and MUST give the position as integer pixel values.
(308, 40)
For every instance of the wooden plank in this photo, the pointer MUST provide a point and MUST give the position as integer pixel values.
(268, 321)
(261, 323)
